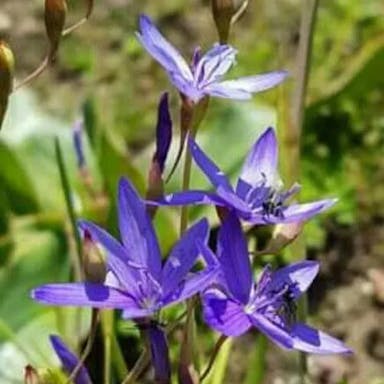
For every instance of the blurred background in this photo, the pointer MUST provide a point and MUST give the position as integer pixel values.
(104, 75)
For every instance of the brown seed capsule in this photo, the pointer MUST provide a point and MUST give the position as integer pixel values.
(7, 64)
(55, 14)
(89, 8)
(223, 10)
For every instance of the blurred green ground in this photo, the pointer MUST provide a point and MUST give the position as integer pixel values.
(103, 70)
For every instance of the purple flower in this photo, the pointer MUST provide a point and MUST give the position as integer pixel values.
(69, 360)
(257, 198)
(238, 303)
(204, 76)
(136, 281)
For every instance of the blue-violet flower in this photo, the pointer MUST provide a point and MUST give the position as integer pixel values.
(257, 197)
(237, 303)
(136, 281)
(204, 76)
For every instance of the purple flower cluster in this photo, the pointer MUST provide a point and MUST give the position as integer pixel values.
(140, 284)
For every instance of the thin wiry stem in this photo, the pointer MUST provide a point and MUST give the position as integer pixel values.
(215, 352)
(88, 346)
(70, 208)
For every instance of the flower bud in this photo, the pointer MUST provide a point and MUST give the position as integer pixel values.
(30, 375)
(55, 14)
(163, 142)
(77, 137)
(7, 64)
(282, 236)
(223, 10)
(93, 262)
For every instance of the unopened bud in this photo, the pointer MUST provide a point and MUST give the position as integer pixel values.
(7, 64)
(31, 376)
(55, 14)
(93, 262)
(282, 236)
(77, 136)
(223, 11)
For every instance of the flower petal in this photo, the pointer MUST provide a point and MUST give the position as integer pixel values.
(69, 360)
(223, 314)
(161, 50)
(300, 274)
(213, 173)
(300, 212)
(117, 258)
(311, 340)
(159, 354)
(163, 131)
(293, 213)
(193, 284)
(189, 198)
(261, 162)
(277, 334)
(214, 64)
(232, 200)
(136, 230)
(183, 256)
(243, 88)
(83, 295)
(234, 259)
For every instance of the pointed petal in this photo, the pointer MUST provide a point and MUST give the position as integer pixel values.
(232, 200)
(117, 257)
(214, 64)
(83, 295)
(213, 173)
(195, 283)
(136, 230)
(300, 212)
(277, 334)
(301, 274)
(243, 88)
(234, 259)
(69, 360)
(159, 354)
(293, 213)
(183, 256)
(189, 198)
(163, 131)
(161, 50)
(261, 162)
(223, 314)
(311, 340)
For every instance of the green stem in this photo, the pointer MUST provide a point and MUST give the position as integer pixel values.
(187, 371)
(70, 209)
(215, 352)
(107, 328)
(294, 132)
(118, 358)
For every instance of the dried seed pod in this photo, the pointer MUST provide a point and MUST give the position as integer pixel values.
(55, 14)
(90, 4)
(7, 64)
